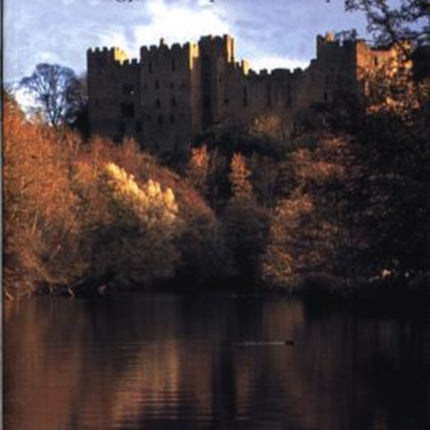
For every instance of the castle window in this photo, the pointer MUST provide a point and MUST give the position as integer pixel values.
(245, 97)
(173, 65)
(172, 119)
(157, 84)
(128, 89)
(150, 67)
(138, 127)
(160, 120)
(173, 102)
(226, 101)
(127, 110)
(158, 104)
(172, 85)
(325, 96)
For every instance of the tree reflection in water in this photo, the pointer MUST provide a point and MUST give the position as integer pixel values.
(168, 361)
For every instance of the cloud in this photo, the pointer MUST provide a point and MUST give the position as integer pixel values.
(179, 21)
(275, 62)
(277, 30)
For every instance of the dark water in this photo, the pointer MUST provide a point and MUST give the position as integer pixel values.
(188, 362)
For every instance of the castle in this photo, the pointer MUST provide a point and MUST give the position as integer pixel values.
(172, 94)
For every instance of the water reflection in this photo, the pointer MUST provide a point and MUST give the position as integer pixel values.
(179, 362)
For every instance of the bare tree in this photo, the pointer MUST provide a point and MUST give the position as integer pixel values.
(58, 90)
(395, 22)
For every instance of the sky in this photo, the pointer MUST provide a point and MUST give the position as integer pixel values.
(268, 33)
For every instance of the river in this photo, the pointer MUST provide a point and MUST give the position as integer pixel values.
(189, 362)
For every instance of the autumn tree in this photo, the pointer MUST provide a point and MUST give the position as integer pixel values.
(245, 221)
(133, 237)
(319, 226)
(198, 169)
(40, 222)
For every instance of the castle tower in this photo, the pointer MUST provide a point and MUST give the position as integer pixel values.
(113, 84)
(215, 54)
(168, 85)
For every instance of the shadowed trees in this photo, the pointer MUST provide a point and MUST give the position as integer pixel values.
(245, 222)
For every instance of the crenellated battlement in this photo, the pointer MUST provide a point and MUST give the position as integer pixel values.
(163, 50)
(132, 62)
(218, 46)
(173, 92)
(106, 56)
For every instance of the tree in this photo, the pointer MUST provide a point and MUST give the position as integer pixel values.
(239, 178)
(198, 169)
(394, 23)
(58, 91)
(245, 222)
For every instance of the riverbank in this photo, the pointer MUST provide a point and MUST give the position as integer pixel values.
(319, 291)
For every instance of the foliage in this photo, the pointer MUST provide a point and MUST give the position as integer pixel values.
(129, 229)
(239, 178)
(198, 169)
(40, 224)
(245, 222)
(316, 228)
(80, 216)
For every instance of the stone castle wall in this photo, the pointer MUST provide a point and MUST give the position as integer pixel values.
(174, 93)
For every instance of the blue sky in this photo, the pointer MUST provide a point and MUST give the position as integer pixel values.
(268, 33)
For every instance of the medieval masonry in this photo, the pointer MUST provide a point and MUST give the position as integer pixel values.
(172, 94)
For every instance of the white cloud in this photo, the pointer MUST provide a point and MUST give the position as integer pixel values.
(115, 37)
(178, 22)
(266, 31)
(274, 62)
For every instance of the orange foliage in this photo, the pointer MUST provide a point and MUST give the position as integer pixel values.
(39, 218)
(75, 212)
